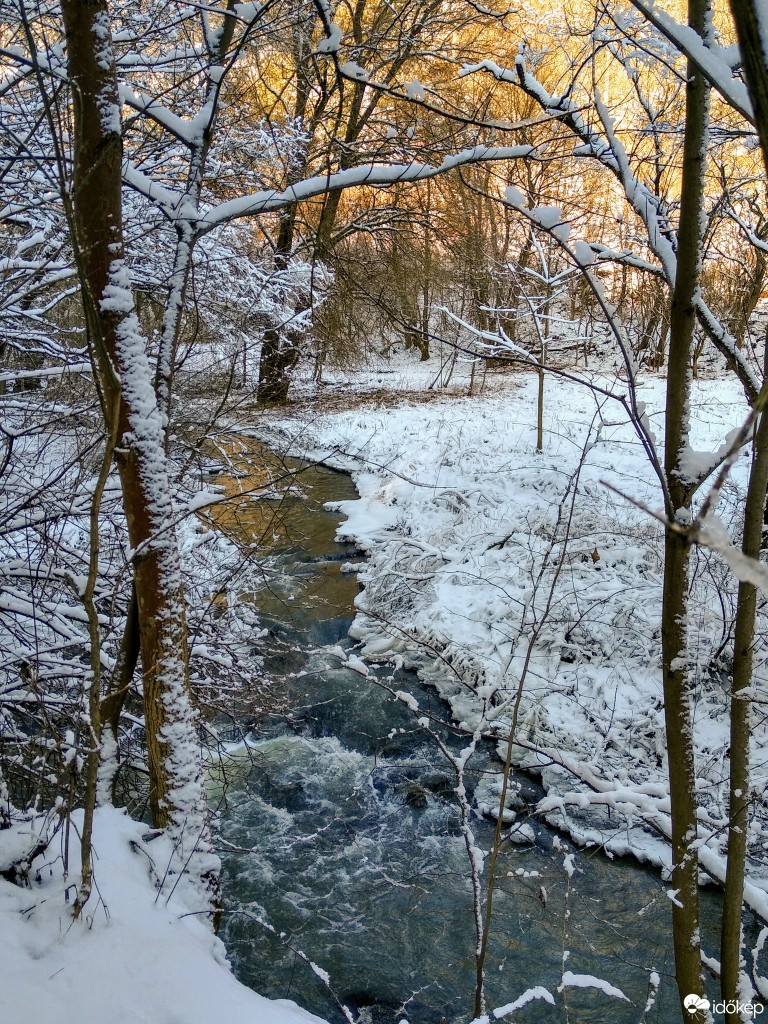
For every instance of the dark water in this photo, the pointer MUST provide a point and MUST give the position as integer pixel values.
(340, 830)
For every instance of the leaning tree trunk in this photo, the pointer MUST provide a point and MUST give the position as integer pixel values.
(678, 697)
(751, 22)
(124, 379)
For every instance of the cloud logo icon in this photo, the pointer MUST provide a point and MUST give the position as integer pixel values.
(692, 1003)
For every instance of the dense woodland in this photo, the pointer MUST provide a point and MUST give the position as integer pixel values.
(211, 213)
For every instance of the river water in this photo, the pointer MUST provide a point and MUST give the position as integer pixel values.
(340, 829)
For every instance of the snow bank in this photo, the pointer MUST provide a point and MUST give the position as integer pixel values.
(135, 959)
(489, 563)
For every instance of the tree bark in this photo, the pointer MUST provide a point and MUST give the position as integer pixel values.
(751, 24)
(678, 695)
(741, 713)
(120, 363)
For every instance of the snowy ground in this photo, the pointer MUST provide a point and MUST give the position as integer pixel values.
(486, 557)
(135, 959)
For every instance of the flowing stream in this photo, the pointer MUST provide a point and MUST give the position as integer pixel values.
(340, 829)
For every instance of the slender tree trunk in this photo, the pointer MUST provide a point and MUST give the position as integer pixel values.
(112, 703)
(118, 352)
(678, 695)
(186, 236)
(426, 300)
(278, 355)
(741, 709)
(751, 21)
(93, 729)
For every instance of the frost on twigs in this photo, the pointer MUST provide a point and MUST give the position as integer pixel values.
(550, 218)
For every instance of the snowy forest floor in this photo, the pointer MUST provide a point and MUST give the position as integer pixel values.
(489, 562)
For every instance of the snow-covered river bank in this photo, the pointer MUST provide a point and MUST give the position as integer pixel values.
(508, 564)
(348, 835)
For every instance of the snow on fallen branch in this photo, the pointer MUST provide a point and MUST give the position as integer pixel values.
(48, 371)
(531, 994)
(571, 980)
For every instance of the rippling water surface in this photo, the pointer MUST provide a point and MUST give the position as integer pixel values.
(340, 831)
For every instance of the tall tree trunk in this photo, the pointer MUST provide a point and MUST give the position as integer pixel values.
(426, 297)
(123, 372)
(751, 20)
(741, 713)
(278, 354)
(677, 680)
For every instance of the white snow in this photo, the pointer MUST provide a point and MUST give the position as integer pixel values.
(514, 197)
(589, 981)
(537, 992)
(464, 525)
(583, 253)
(414, 90)
(332, 42)
(166, 966)
(247, 11)
(353, 70)
(357, 665)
